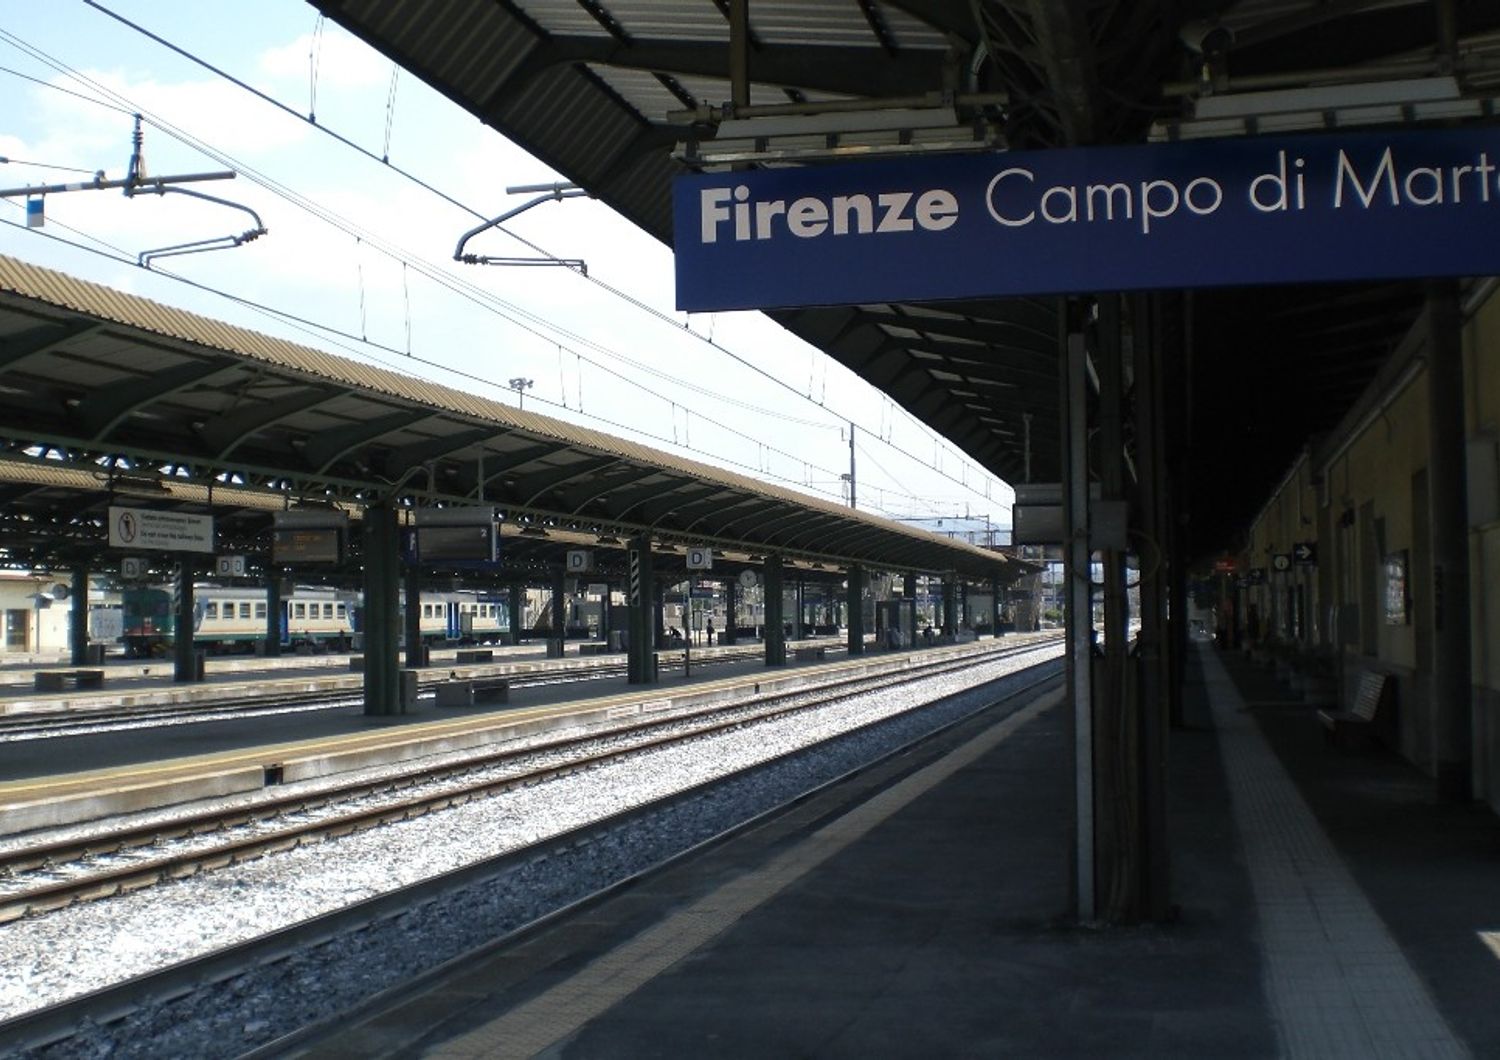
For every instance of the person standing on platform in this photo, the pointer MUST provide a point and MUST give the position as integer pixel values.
(709, 629)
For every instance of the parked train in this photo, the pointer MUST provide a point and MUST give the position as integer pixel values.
(230, 619)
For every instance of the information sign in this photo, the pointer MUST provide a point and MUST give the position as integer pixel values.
(1203, 213)
(149, 530)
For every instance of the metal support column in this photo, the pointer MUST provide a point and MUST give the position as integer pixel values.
(1452, 684)
(184, 659)
(950, 605)
(513, 604)
(995, 605)
(775, 620)
(559, 610)
(856, 609)
(78, 617)
(1154, 521)
(799, 627)
(275, 607)
(731, 599)
(640, 597)
(411, 616)
(1117, 811)
(382, 604)
(1078, 617)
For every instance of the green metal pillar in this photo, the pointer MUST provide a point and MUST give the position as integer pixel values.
(517, 594)
(184, 659)
(856, 609)
(78, 617)
(411, 616)
(640, 599)
(559, 610)
(382, 604)
(274, 608)
(775, 620)
(731, 598)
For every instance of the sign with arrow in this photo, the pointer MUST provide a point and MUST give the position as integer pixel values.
(1305, 553)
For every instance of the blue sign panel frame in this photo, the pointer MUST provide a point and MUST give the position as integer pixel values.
(1206, 213)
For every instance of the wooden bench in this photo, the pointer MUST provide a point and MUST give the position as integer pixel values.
(58, 680)
(468, 691)
(476, 655)
(810, 654)
(1346, 727)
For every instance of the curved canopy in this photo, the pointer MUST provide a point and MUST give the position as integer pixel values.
(91, 374)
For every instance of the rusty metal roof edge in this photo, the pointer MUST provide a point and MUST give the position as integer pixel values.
(62, 291)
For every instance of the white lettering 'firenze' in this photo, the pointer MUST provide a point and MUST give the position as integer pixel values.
(1422, 185)
(809, 217)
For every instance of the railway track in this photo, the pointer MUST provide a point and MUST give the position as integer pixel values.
(38, 878)
(132, 1011)
(102, 719)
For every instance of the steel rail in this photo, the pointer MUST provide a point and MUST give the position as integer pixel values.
(140, 874)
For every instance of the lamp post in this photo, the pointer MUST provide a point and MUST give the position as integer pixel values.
(520, 386)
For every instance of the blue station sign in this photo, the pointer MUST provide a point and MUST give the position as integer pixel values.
(1206, 213)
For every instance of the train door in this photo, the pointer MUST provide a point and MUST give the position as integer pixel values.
(286, 622)
(455, 627)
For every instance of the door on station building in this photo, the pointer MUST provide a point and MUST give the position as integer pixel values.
(17, 629)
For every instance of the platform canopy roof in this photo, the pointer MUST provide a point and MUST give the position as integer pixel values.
(148, 400)
(599, 89)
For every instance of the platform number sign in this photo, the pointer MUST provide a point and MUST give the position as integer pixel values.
(132, 568)
(580, 561)
(700, 559)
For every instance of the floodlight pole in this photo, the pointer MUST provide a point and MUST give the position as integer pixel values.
(520, 386)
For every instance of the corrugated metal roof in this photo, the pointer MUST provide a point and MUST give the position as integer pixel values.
(19, 279)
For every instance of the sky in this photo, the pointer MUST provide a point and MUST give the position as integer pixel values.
(358, 258)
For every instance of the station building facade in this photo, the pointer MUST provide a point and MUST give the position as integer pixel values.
(1361, 501)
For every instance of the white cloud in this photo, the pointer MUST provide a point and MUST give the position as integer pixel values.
(341, 61)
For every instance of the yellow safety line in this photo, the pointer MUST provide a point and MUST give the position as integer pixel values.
(559, 1013)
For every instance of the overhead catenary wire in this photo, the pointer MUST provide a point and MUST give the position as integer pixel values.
(630, 299)
(329, 218)
(311, 327)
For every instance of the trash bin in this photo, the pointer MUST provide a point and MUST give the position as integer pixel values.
(617, 640)
(93, 655)
(200, 664)
(554, 649)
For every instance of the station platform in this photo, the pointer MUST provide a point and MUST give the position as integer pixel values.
(70, 779)
(1326, 907)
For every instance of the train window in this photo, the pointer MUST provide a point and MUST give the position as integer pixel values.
(260, 611)
(426, 610)
(327, 610)
(210, 611)
(342, 611)
(299, 610)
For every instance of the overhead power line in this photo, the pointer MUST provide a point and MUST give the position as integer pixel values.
(333, 219)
